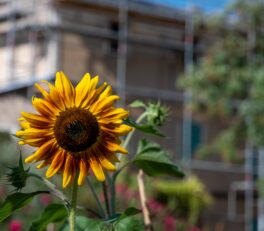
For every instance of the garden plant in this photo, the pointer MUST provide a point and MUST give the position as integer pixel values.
(76, 134)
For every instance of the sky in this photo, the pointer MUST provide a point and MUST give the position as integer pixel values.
(207, 5)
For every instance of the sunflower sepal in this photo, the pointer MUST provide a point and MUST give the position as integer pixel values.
(17, 177)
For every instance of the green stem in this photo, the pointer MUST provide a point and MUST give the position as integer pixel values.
(53, 189)
(113, 180)
(100, 207)
(129, 136)
(73, 203)
(112, 193)
(106, 198)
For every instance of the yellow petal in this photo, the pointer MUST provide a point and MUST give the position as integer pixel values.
(43, 164)
(97, 170)
(82, 172)
(42, 151)
(117, 113)
(119, 130)
(82, 89)
(67, 173)
(107, 92)
(35, 142)
(64, 85)
(56, 164)
(112, 121)
(100, 105)
(24, 124)
(55, 97)
(91, 92)
(94, 96)
(36, 120)
(42, 91)
(32, 133)
(107, 164)
(45, 108)
(115, 147)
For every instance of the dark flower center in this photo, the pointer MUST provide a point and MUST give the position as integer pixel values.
(76, 129)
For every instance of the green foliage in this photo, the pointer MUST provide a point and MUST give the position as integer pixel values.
(157, 113)
(137, 103)
(146, 128)
(18, 176)
(228, 81)
(52, 213)
(130, 224)
(154, 161)
(187, 197)
(227, 145)
(86, 224)
(15, 202)
(128, 213)
(126, 222)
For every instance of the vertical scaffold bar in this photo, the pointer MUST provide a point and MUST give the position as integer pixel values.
(187, 115)
(122, 49)
(11, 41)
(260, 197)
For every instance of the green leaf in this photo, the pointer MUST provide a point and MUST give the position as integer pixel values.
(154, 161)
(88, 224)
(146, 128)
(16, 201)
(137, 103)
(129, 224)
(52, 213)
(128, 213)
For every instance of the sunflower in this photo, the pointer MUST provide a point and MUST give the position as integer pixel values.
(75, 130)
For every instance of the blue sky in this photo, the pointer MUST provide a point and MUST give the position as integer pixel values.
(206, 5)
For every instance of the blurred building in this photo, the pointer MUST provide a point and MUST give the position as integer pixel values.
(137, 47)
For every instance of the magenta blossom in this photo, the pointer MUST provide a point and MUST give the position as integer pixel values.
(169, 223)
(155, 206)
(15, 225)
(45, 199)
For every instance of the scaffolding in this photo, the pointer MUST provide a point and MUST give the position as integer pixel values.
(26, 29)
(132, 23)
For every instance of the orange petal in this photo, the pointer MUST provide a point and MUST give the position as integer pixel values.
(97, 170)
(64, 85)
(42, 151)
(82, 89)
(82, 172)
(56, 164)
(107, 164)
(67, 172)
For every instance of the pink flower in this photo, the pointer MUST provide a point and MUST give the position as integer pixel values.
(121, 188)
(170, 223)
(45, 199)
(155, 206)
(15, 225)
(125, 191)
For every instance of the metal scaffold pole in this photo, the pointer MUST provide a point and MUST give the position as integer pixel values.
(122, 49)
(260, 197)
(249, 190)
(11, 40)
(187, 114)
